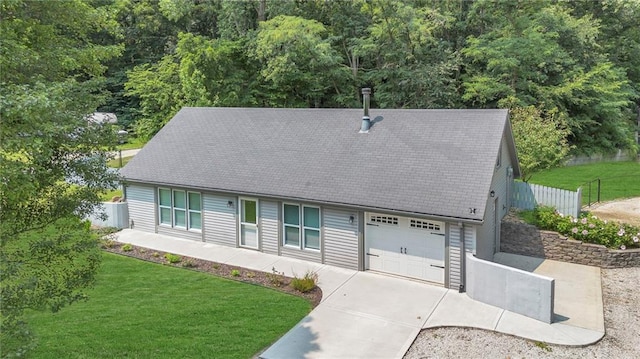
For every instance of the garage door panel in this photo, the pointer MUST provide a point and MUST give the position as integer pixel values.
(406, 247)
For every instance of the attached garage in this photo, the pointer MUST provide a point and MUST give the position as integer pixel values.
(404, 246)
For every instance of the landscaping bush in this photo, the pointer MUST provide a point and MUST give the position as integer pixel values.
(127, 248)
(172, 258)
(589, 228)
(306, 283)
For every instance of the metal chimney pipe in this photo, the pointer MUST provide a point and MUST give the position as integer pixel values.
(366, 122)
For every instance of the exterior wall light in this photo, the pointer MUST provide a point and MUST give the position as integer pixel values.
(351, 219)
(492, 193)
(230, 204)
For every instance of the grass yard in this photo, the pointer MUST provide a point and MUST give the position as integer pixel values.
(145, 310)
(618, 179)
(115, 163)
(131, 144)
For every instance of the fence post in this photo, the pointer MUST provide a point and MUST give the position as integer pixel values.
(578, 201)
(598, 190)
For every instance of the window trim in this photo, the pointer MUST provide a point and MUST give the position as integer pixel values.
(305, 227)
(301, 226)
(172, 210)
(169, 207)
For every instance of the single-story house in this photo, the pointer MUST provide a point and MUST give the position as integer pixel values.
(404, 192)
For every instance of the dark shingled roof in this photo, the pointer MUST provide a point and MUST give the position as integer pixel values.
(427, 162)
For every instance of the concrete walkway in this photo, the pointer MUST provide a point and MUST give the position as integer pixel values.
(369, 315)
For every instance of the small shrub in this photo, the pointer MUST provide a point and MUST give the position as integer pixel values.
(306, 283)
(108, 243)
(216, 266)
(172, 258)
(142, 250)
(542, 345)
(275, 278)
(127, 248)
(235, 273)
(251, 275)
(155, 254)
(189, 263)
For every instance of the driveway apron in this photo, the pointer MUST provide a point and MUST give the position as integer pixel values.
(370, 316)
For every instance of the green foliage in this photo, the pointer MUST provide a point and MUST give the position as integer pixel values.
(416, 67)
(172, 258)
(306, 283)
(529, 216)
(544, 346)
(298, 62)
(127, 248)
(42, 269)
(235, 273)
(538, 53)
(52, 160)
(541, 140)
(160, 94)
(122, 318)
(589, 228)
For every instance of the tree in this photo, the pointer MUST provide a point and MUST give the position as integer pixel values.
(539, 53)
(52, 160)
(541, 139)
(299, 65)
(414, 66)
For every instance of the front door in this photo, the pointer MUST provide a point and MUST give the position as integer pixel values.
(248, 222)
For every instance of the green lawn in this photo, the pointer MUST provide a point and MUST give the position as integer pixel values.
(131, 144)
(145, 310)
(115, 163)
(618, 179)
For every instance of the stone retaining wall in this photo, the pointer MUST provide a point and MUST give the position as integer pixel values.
(525, 239)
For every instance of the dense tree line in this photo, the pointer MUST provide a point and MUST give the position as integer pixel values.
(576, 61)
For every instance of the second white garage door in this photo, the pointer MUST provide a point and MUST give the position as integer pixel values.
(405, 246)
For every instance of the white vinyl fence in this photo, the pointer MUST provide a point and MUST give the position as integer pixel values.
(117, 215)
(528, 196)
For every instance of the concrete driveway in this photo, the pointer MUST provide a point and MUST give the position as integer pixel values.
(370, 316)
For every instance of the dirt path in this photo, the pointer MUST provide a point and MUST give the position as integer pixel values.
(627, 210)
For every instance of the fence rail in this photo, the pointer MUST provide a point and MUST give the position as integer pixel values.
(528, 196)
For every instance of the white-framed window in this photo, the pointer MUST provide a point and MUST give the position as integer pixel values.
(301, 226)
(179, 209)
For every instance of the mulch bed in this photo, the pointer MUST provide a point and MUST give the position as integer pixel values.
(273, 280)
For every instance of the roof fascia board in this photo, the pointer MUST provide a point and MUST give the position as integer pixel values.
(328, 203)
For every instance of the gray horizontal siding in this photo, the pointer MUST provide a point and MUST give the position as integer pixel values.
(340, 238)
(454, 256)
(142, 208)
(219, 219)
(180, 233)
(454, 251)
(269, 226)
(307, 255)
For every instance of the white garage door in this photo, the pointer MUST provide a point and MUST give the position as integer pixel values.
(404, 246)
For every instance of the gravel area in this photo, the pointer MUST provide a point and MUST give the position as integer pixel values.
(621, 295)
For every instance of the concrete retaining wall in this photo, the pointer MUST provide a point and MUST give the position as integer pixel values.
(527, 240)
(117, 215)
(510, 288)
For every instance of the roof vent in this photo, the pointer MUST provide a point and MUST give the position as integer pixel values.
(366, 122)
